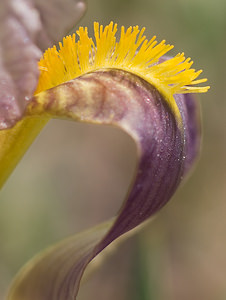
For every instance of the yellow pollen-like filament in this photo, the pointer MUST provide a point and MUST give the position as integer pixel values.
(132, 53)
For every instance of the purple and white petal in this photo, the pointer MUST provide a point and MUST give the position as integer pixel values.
(26, 28)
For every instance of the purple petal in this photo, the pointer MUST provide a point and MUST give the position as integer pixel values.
(57, 17)
(190, 112)
(26, 27)
(165, 153)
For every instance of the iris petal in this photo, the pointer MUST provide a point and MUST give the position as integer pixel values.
(165, 152)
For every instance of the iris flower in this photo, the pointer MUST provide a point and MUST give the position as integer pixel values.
(127, 83)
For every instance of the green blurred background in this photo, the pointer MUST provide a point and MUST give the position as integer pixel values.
(76, 175)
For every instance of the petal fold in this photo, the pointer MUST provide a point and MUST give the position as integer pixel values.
(165, 153)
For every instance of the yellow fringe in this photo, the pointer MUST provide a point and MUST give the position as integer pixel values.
(132, 53)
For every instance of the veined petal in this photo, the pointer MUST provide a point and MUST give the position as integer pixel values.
(120, 99)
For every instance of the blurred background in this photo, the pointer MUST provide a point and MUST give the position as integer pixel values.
(75, 176)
